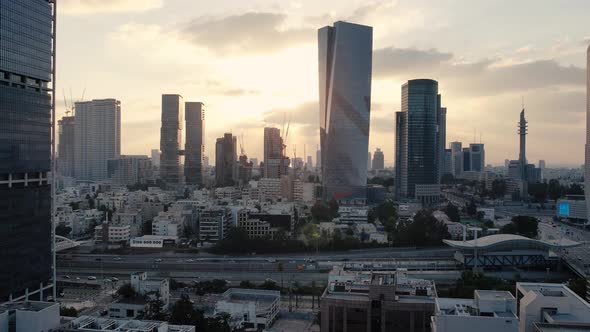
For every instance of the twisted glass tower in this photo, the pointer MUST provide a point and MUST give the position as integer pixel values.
(345, 64)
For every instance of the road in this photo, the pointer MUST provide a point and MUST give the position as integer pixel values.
(579, 257)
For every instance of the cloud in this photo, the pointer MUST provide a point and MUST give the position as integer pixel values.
(481, 78)
(84, 7)
(254, 32)
(394, 61)
(216, 87)
(366, 11)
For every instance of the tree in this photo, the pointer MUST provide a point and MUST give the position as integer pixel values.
(68, 311)
(126, 291)
(575, 189)
(62, 230)
(539, 192)
(423, 230)
(498, 188)
(269, 285)
(555, 189)
(91, 203)
(320, 212)
(452, 212)
(280, 268)
(480, 215)
(155, 308)
(522, 225)
(183, 313)
(247, 284)
(471, 208)
(333, 205)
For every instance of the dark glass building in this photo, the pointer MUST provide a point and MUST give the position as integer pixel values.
(194, 148)
(225, 160)
(25, 145)
(345, 65)
(171, 138)
(417, 137)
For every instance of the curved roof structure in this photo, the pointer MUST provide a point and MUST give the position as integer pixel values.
(511, 242)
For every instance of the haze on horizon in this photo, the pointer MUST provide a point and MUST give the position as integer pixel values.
(254, 63)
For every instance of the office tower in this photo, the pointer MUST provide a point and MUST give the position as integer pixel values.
(26, 72)
(522, 132)
(318, 159)
(456, 159)
(506, 163)
(477, 157)
(195, 145)
(542, 164)
(66, 146)
(587, 171)
(466, 160)
(369, 161)
(225, 160)
(276, 164)
(448, 168)
(244, 170)
(156, 157)
(441, 140)
(417, 137)
(309, 163)
(378, 160)
(171, 138)
(345, 65)
(205, 161)
(97, 137)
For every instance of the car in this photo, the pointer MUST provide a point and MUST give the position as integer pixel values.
(190, 260)
(61, 294)
(77, 278)
(192, 301)
(157, 260)
(108, 280)
(115, 279)
(117, 258)
(91, 278)
(66, 277)
(271, 260)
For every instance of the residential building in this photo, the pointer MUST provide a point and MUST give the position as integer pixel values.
(25, 145)
(99, 324)
(225, 160)
(250, 308)
(97, 132)
(171, 138)
(345, 66)
(488, 311)
(66, 147)
(214, 223)
(143, 285)
(378, 160)
(551, 304)
(29, 316)
(276, 164)
(476, 157)
(130, 170)
(156, 158)
(270, 189)
(417, 138)
(129, 308)
(195, 142)
(166, 227)
(382, 301)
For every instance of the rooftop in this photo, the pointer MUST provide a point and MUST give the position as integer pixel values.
(509, 241)
(88, 323)
(26, 306)
(561, 327)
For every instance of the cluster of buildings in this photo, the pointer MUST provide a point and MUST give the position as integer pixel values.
(391, 301)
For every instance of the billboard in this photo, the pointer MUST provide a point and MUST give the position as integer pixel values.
(564, 209)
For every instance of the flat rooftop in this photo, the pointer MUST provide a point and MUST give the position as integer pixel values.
(562, 327)
(27, 306)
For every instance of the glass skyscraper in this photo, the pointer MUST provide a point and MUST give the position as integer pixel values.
(345, 64)
(417, 137)
(195, 144)
(171, 138)
(26, 38)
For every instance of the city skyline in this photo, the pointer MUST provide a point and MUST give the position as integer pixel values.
(251, 86)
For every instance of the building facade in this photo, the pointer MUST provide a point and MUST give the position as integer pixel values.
(130, 170)
(97, 137)
(417, 137)
(171, 138)
(276, 164)
(345, 66)
(378, 160)
(25, 145)
(587, 168)
(225, 160)
(195, 143)
(66, 146)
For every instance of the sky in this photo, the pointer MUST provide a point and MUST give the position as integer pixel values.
(254, 64)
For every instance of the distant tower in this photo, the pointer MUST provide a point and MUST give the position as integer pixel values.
(587, 171)
(171, 137)
(522, 131)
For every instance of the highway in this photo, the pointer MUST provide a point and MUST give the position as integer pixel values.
(578, 258)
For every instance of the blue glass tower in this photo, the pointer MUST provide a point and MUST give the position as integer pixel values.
(417, 138)
(345, 64)
(26, 37)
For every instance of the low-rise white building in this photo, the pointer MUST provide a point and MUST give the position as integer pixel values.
(488, 311)
(98, 324)
(29, 316)
(152, 241)
(250, 308)
(166, 227)
(144, 285)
